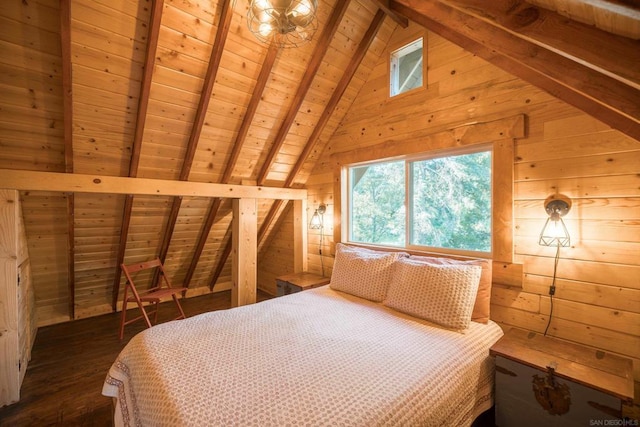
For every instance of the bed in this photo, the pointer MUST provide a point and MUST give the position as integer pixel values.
(325, 356)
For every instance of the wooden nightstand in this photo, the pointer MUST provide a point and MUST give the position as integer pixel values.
(297, 282)
(543, 381)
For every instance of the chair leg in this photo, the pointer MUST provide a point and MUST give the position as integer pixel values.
(144, 313)
(123, 315)
(155, 314)
(175, 298)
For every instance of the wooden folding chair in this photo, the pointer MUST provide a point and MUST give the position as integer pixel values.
(152, 295)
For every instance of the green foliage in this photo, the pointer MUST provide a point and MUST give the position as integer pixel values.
(450, 204)
(377, 204)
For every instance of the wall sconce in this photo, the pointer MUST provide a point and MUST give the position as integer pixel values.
(317, 223)
(317, 219)
(290, 23)
(555, 233)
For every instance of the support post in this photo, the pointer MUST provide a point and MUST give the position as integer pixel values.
(300, 233)
(244, 252)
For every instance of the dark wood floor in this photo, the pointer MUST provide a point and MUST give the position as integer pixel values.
(69, 363)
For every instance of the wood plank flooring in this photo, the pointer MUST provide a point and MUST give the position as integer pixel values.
(69, 362)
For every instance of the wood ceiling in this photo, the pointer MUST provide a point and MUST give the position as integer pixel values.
(181, 90)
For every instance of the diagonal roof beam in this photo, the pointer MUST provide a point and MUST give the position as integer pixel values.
(614, 100)
(314, 64)
(338, 92)
(141, 116)
(399, 19)
(67, 108)
(226, 13)
(263, 78)
(341, 87)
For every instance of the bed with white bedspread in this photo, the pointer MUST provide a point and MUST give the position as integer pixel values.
(315, 358)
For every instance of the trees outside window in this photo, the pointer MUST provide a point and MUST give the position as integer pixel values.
(429, 202)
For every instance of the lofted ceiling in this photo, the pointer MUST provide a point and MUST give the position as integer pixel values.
(181, 90)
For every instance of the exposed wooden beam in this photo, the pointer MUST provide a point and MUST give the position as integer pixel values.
(337, 94)
(342, 85)
(244, 250)
(67, 109)
(314, 64)
(399, 19)
(597, 93)
(602, 51)
(141, 116)
(224, 256)
(80, 183)
(226, 13)
(258, 90)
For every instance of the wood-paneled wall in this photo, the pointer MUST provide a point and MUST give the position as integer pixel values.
(597, 302)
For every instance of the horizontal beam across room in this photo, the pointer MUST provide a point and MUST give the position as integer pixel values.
(79, 183)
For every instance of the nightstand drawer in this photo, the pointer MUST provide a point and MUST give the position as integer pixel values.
(530, 397)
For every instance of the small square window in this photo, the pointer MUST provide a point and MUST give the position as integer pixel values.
(406, 68)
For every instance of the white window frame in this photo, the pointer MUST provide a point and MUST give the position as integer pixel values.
(395, 86)
(346, 197)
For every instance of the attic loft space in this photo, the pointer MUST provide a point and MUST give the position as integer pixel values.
(133, 129)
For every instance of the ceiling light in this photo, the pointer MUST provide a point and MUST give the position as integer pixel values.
(289, 23)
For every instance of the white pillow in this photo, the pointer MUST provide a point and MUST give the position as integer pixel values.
(442, 294)
(362, 272)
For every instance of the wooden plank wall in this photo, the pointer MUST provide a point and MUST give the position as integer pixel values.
(598, 289)
(31, 104)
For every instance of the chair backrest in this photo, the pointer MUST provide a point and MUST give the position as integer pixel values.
(130, 269)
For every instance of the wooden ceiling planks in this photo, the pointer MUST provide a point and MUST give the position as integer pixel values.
(141, 115)
(267, 67)
(314, 63)
(292, 111)
(107, 94)
(279, 206)
(337, 94)
(226, 13)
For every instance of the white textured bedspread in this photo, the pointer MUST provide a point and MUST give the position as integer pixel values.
(314, 358)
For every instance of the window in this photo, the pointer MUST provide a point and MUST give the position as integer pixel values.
(441, 202)
(405, 69)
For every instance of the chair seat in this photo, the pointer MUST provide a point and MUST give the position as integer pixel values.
(158, 294)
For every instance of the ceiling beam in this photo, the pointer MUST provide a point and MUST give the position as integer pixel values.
(141, 116)
(67, 111)
(611, 54)
(606, 98)
(399, 19)
(226, 14)
(314, 64)
(337, 94)
(24, 180)
(256, 96)
(341, 87)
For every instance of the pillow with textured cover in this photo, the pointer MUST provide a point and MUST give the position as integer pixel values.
(442, 294)
(363, 272)
(482, 306)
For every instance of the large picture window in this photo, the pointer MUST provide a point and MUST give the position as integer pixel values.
(434, 202)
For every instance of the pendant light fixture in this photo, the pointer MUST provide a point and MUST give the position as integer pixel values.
(288, 23)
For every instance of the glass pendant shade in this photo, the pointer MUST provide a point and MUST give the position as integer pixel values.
(316, 221)
(554, 232)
